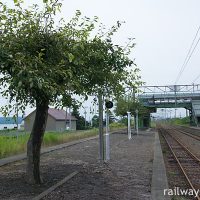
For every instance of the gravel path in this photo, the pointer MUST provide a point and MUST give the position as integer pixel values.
(126, 176)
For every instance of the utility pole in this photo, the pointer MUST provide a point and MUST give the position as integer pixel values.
(170, 113)
(66, 116)
(91, 112)
(175, 91)
(85, 113)
(101, 139)
(186, 112)
(17, 117)
(107, 136)
(175, 113)
(136, 121)
(129, 125)
(70, 119)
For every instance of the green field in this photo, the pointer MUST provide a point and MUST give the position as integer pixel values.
(181, 121)
(12, 144)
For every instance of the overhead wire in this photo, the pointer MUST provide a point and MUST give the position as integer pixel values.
(189, 55)
(196, 79)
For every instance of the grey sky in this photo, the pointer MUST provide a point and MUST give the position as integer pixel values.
(164, 30)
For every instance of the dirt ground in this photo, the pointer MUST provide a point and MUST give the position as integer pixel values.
(127, 176)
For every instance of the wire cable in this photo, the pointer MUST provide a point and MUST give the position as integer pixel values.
(188, 56)
(196, 79)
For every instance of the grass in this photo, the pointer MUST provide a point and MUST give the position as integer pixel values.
(183, 121)
(52, 138)
(153, 124)
(12, 145)
(116, 125)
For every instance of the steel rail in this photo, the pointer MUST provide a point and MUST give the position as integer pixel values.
(179, 163)
(187, 133)
(184, 146)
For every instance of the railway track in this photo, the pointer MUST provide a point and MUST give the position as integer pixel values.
(189, 131)
(186, 131)
(187, 161)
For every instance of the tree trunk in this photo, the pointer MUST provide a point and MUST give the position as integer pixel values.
(34, 143)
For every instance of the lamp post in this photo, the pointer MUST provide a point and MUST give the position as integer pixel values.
(175, 113)
(170, 111)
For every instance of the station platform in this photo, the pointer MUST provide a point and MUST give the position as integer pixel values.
(135, 170)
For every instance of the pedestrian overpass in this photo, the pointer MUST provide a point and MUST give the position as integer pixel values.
(172, 96)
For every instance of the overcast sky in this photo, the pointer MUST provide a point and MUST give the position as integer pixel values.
(163, 32)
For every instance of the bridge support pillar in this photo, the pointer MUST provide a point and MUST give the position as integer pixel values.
(192, 118)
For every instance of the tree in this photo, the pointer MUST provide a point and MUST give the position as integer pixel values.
(130, 104)
(39, 67)
(80, 123)
(95, 121)
(125, 104)
(43, 64)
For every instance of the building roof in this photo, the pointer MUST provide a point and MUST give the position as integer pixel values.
(58, 114)
(10, 120)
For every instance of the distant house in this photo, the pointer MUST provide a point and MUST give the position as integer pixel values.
(10, 122)
(57, 120)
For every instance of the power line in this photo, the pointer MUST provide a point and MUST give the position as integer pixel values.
(188, 56)
(191, 55)
(196, 79)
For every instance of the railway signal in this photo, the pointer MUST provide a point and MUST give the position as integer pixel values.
(108, 105)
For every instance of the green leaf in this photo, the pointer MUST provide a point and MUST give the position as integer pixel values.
(3, 17)
(71, 57)
(20, 84)
(31, 84)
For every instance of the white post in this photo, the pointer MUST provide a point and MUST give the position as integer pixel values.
(70, 119)
(129, 125)
(136, 121)
(17, 116)
(85, 119)
(66, 116)
(101, 137)
(107, 136)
